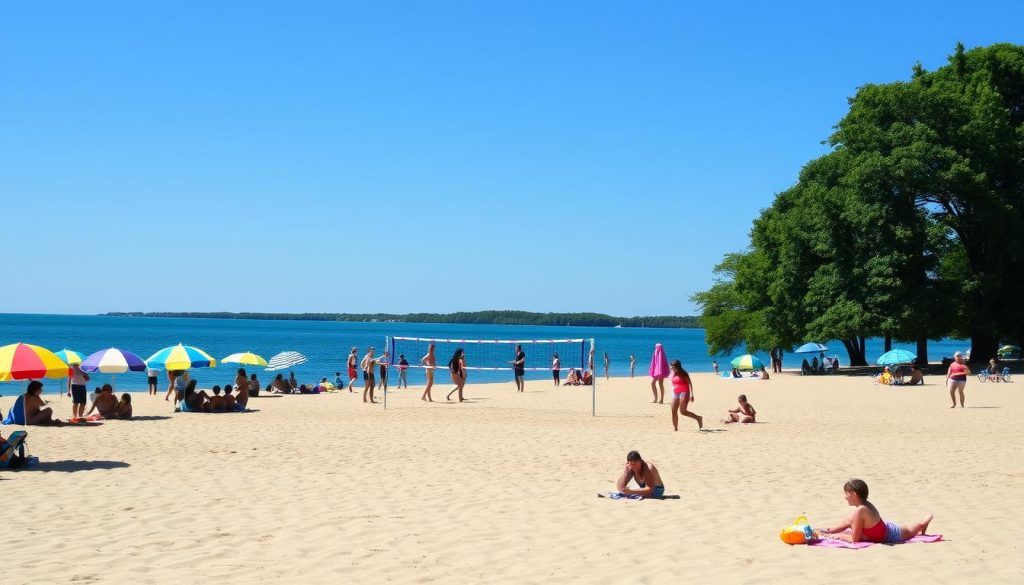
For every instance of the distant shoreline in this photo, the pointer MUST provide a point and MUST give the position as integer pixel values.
(474, 318)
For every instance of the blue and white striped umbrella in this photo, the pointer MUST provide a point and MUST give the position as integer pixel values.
(285, 359)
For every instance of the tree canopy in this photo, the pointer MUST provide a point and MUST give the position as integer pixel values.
(911, 227)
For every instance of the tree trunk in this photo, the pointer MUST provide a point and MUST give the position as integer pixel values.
(922, 350)
(983, 348)
(888, 342)
(855, 347)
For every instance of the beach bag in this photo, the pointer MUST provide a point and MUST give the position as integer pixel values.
(799, 532)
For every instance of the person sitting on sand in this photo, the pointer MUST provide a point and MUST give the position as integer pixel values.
(764, 373)
(292, 382)
(191, 400)
(646, 476)
(280, 386)
(254, 385)
(885, 377)
(744, 413)
(229, 400)
(36, 411)
(866, 524)
(916, 376)
(736, 373)
(216, 403)
(573, 379)
(105, 403)
(805, 368)
(124, 406)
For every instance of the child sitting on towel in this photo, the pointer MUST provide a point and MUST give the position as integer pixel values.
(866, 524)
(216, 403)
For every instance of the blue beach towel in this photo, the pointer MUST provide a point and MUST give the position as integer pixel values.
(16, 416)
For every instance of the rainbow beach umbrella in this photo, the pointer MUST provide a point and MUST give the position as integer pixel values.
(747, 362)
(180, 357)
(113, 361)
(70, 356)
(247, 358)
(22, 361)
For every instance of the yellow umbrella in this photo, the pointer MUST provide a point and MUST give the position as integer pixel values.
(247, 358)
(22, 361)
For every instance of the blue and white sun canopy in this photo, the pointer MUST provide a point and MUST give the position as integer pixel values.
(285, 359)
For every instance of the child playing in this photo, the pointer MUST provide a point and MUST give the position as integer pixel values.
(403, 371)
(744, 413)
(866, 524)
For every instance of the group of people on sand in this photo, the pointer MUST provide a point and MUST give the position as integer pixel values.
(865, 524)
(191, 400)
(104, 402)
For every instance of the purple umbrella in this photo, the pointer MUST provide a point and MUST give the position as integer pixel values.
(113, 361)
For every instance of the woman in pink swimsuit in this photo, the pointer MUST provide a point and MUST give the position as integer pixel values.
(956, 378)
(682, 395)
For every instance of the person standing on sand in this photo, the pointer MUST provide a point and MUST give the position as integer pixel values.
(519, 368)
(682, 396)
(152, 375)
(632, 365)
(556, 369)
(383, 384)
(242, 386)
(403, 371)
(956, 378)
(429, 363)
(457, 368)
(369, 380)
(590, 359)
(607, 364)
(77, 390)
(353, 359)
(658, 371)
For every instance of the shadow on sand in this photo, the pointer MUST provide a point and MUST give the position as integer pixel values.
(71, 466)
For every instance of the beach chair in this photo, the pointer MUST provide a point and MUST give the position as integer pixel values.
(12, 450)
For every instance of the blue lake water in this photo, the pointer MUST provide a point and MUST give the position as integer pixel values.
(326, 344)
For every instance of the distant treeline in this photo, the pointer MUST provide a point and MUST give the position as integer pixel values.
(476, 317)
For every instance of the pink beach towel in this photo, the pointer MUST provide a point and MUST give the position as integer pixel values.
(659, 363)
(829, 543)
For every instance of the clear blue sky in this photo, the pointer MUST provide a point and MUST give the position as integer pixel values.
(420, 156)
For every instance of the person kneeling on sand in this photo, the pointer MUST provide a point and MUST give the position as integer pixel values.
(105, 403)
(744, 413)
(866, 524)
(646, 476)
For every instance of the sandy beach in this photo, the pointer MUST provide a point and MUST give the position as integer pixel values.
(312, 489)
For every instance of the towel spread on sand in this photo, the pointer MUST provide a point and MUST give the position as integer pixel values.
(828, 542)
(659, 363)
(621, 496)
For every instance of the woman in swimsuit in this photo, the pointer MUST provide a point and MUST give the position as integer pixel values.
(457, 367)
(866, 524)
(429, 362)
(36, 411)
(956, 378)
(646, 476)
(682, 395)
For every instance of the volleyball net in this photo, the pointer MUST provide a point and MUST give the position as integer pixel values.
(495, 354)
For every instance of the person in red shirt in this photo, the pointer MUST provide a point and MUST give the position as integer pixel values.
(956, 378)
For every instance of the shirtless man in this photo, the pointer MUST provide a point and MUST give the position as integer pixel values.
(369, 378)
(429, 362)
(105, 403)
(353, 359)
(216, 401)
(744, 413)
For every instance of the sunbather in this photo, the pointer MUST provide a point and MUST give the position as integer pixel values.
(866, 523)
(646, 476)
(105, 403)
(744, 413)
(124, 406)
(36, 411)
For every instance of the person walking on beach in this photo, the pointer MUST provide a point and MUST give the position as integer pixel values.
(632, 365)
(682, 396)
(556, 369)
(429, 363)
(403, 370)
(152, 375)
(457, 368)
(607, 363)
(384, 371)
(369, 380)
(658, 371)
(956, 378)
(78, 390)
(519, 368)
(353, 359)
